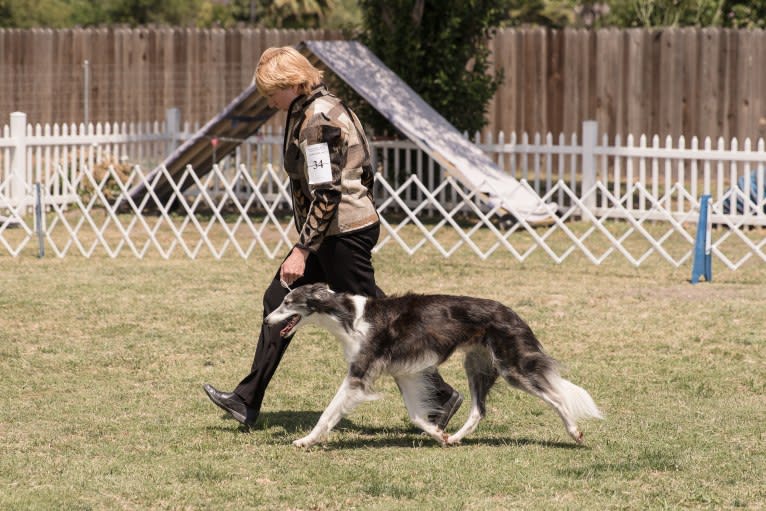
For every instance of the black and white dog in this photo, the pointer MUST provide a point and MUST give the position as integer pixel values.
(408, 336)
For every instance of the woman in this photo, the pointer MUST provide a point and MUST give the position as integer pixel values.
(327, 157)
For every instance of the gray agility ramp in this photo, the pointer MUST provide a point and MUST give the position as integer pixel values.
(356, 65)
(220, 136)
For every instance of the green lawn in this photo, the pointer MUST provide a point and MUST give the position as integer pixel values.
(102, 363)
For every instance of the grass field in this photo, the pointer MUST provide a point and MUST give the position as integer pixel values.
(102, 362)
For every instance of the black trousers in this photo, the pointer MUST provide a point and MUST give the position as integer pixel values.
(343, 262)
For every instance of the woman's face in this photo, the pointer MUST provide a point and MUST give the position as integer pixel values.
(281, 98)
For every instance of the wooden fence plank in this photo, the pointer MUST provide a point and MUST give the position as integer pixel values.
(46, 92)
(118, 83)
(669, 79)
(710, 122)
(635, 82)
(759, 67)
(6, 85)
(64, 108)
(535, 56)
(729, 86)
(153, 76)
(653, 65)
(191, 93)
(689, 76)
(608, 78)
(505, 58)
(572, 86)
(554, 100)
(745, 87)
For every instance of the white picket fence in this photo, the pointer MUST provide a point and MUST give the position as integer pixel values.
(631, 199)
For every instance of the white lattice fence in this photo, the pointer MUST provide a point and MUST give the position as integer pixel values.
(219, 222)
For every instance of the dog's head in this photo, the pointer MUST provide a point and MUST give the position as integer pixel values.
(300, 304)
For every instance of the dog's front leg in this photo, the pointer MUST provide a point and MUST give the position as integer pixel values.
(349, 395)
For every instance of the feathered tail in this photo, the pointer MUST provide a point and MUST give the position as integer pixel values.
(575, 399)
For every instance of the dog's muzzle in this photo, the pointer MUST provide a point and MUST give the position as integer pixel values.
(288, 328)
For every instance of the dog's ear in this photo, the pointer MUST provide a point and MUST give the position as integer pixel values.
(319, 295)
(321, 289)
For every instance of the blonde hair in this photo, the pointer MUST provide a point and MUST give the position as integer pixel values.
(285, 67)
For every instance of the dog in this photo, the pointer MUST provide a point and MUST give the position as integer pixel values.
(408, 336)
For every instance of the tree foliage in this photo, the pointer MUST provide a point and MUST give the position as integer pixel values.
(199, 13)
(439, 48)
(346, 13)
(723, 13)
(639, 13)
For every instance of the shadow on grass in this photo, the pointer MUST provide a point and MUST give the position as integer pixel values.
(291, 422)
(422, 440)
(298, 423)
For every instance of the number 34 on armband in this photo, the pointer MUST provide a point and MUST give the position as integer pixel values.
(318, 163)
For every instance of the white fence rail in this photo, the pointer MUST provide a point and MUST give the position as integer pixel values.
(241, 206)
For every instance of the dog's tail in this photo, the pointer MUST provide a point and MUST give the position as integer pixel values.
(575, 399)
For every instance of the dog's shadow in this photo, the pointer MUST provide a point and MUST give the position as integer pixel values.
(419, 439)
(290, 422)
(297, 423)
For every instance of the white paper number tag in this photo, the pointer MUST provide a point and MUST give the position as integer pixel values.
(318, 163)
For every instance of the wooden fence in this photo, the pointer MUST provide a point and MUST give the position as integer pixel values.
(692, 82)
(131, 74)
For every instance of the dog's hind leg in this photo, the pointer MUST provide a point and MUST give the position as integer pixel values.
(351, 393)
(570, 401)
(481, 376)
(415, 394)
(537, 375)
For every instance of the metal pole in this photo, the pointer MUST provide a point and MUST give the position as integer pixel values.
(39, 221)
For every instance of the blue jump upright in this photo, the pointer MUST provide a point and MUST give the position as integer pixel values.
(703, 257)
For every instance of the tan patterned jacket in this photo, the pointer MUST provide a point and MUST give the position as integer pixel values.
(331, 184)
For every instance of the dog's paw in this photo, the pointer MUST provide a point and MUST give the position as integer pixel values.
(443, 438)
(304, 442)
(451, 440)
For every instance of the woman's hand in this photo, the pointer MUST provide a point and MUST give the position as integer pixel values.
(294, 266)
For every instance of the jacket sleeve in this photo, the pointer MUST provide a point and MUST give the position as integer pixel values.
(325, 195)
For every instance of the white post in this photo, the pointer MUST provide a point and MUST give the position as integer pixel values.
(172, 128)
(589, 136)
(18, 158)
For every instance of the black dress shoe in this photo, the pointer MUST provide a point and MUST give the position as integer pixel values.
(233, 404)
(448, 410)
